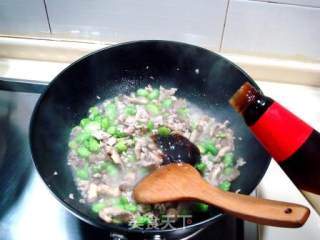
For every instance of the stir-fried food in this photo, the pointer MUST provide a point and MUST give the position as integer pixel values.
(112, 149)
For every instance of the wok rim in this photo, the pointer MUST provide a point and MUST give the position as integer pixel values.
(115, 227)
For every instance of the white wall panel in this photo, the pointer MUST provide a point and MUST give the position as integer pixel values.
(200, 22)
(23, 17)
(272, 29)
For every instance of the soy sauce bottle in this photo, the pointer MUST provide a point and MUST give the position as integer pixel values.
(291, 142)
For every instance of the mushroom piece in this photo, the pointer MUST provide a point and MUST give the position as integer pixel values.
(166, 93)
(111, 141)
(99, 134)
(194, 135)
(104, 189)
(215, 173)
(136, 100)
(116, 157)
(223, 151)
(180, 103)
(235, 173)
(152, 159)
(137, 150)
(92, 192)
(128, 183)
(111, 212)
(97, 157)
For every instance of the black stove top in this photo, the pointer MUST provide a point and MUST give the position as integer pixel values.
(27, 209)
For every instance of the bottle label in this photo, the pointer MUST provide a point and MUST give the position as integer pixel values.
(281, 132)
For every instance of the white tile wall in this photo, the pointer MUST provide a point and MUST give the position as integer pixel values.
(272, 29)
(22, 17)
(285, 28)
(200, 22)
(312, 3)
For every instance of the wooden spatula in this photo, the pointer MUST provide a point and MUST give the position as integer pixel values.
(180, 181)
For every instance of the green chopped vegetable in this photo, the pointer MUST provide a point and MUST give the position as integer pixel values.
(84, 122)
(150, 126)
(83, 152)
(92, 126)
(111, 169)
(200, 207)
(119, 134)
(167, 103)
(201, 166)
(105, 123)
(73, 145)
(123, 200)
(201, 148)
(131, 207)
(228, 159)
(111, 111)
(93, 112)
(81, 137)
(153, 109)
(210, 148)
(142, 92)
(83, 173)
(164, 131)
(112, 130)
(123, 203)
(228, 171)
(225, 185)
(98, 118)
(97, 207)
(154, 94)
(131, 110)
(121, 147)
(92, 144)
(107, 167)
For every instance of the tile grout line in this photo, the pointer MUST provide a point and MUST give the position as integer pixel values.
(59, 40)
(47, 15)
(224, 26)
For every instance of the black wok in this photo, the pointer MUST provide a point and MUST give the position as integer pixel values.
(201, 76)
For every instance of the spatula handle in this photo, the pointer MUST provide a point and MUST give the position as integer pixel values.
(261, 211)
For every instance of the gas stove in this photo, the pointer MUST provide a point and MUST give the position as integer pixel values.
(28, 210)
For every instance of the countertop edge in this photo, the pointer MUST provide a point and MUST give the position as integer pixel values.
(21, 57)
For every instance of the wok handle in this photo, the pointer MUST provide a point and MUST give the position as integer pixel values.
(261, 211)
